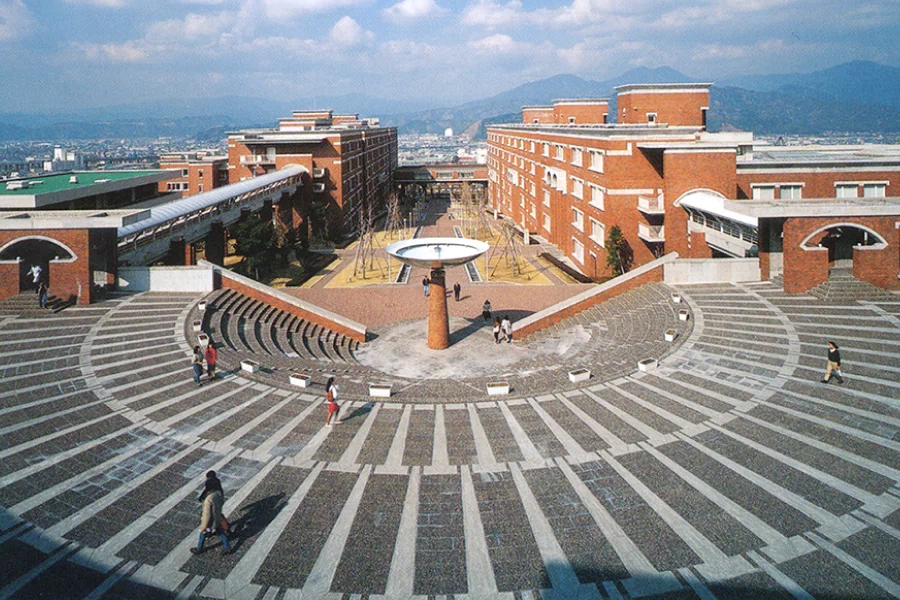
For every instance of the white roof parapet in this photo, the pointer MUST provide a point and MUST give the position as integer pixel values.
(581, 101)
(817, 207)
(181, 208)
(715, 205)
(662, 87)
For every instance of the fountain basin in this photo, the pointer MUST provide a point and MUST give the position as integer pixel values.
(424, 252)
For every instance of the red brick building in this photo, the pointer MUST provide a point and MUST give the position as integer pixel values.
(198, 171)
(350, 161)
(568, 176)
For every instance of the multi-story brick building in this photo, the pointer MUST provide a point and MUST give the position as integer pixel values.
(350, 161)
(568, 176)
(199, 171)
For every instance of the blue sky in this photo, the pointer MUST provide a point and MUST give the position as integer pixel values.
(69, 54)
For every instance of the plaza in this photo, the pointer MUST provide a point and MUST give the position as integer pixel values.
(727, 471)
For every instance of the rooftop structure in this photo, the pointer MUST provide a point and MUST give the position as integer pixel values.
(80, 189)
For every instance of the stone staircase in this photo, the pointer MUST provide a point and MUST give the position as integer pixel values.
(26, 304)
(843, 287)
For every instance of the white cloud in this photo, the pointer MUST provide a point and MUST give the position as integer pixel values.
(193, 27)
(490, 14)
(347, 32)
(412, 10)
(15, 20)
(289, 9)
(498, 44)
(129, 52)
(106, 3)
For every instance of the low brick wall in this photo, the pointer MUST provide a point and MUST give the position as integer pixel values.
(652, 272)
(289, 304)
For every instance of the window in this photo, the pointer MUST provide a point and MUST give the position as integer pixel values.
(597, 197)
(184, 173)
(533, 190)
(791, 192)
(571, 120)
(763, 192)
(200, 173)
(532, 147)
(874, 190)
(522, 200)
(560, 153)
(576, 157)
(546, 198)
(846, 190)
(200, 187)
(596, 161)
(532, 210)
(651, 118)
(598, 232)
(577, 219)
(547, 222)
(546, 150)
(577, 188)
(577, 250)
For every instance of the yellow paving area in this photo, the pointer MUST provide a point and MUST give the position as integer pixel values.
(546, 265)
(322, 274)
(501, 269)
(376, 275)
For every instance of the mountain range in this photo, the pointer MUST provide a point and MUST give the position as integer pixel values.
(858, 96)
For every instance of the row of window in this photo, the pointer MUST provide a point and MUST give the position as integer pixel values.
(575, 154)
(794, 191)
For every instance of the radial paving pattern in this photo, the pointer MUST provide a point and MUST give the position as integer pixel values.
(728, 472)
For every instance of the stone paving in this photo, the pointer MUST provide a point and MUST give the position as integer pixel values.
(730, 471)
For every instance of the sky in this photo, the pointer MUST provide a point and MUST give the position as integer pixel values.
(59, 55)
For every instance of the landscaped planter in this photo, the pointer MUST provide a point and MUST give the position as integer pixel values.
(251, 366)
(379, 390)
(201, 305)
(197, 326)
(300, 380)
(676, 298)
(648, 364)
(683, 315)
(579, 375)
(671, 334)
(498, 388)
(203, 340)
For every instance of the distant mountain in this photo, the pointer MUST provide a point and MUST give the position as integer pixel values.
(543, 91)
(860, 82)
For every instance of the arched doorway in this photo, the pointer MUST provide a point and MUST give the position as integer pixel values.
(840, 239)
(35, 251)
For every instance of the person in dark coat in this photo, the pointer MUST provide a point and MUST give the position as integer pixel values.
(834, 363)
(486, 311)
(457, 289)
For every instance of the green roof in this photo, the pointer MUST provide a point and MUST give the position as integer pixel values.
(58, 182)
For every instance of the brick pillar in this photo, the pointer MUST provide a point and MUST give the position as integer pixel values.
(438, 320)
(190, 254)
(177, 253)
(215, 243)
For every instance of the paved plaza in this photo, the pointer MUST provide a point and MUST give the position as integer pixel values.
(730, 471)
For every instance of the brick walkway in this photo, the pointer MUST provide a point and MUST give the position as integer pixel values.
(728, 472)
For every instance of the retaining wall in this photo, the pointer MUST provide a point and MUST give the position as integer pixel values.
(712, 270)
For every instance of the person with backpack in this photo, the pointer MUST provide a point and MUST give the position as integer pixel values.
(331, 394)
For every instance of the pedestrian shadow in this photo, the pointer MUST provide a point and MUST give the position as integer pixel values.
(256, 517)
(360, 411)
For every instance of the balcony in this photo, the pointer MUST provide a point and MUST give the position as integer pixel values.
(651, 233)
(651, 206)
(318, 173)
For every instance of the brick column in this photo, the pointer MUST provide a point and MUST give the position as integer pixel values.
(215, 243)
(438, 320)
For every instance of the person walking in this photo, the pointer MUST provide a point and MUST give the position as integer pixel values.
(834, 363)
(197, 364)
(211, 356)
(35, 272)
(213, 498)
(496, 330)
(456, 291)
(42, 295)
(331, 395)
(425, 285)
(506, 329)
(486, 311)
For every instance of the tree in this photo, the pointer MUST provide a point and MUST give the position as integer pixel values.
(618, 251)
(255, 241)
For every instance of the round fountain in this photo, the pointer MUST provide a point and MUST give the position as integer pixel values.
(435, 254)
